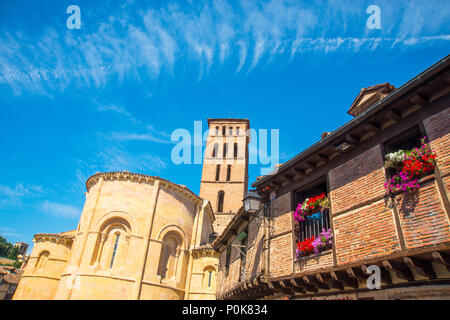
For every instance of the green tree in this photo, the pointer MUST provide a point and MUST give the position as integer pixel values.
(13, 253)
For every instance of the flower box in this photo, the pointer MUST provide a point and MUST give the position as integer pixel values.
(407, 167)
(315, 244)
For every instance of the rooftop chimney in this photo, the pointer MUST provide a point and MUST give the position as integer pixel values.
(369, 96)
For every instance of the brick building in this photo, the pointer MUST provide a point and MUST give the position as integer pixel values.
(406, 235)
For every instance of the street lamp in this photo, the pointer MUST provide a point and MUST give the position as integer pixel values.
(252, 200)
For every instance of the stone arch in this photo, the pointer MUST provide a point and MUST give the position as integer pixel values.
(129, 219)
(42, 260)
(174, 229)
(209, 277)
(111, 246)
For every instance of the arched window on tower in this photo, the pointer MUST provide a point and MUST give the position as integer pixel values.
(228, 172)
(168, 259)
(220, 199)
(217, 130)
(230, 131)
(223, 130)
(225, 149)
(218, 172)
(235, 150)
(215, 149)
(237, 131)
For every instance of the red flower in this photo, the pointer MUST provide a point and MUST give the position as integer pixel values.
(305, 247)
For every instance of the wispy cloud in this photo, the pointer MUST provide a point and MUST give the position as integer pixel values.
(117, 109)
(152, 135)
(144, 43)
(118, 159)
(13, 195)
(59, 209)
(9, 232)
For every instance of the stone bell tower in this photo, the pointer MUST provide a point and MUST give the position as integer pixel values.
(225, 168)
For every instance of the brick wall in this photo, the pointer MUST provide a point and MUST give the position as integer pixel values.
(312, 262)
(281, 242)
(254, 259)
(438, 131)
(364, 233)
(358, 180)
(422, 217)
(281, 256)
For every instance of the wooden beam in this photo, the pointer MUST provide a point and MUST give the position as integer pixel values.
(398, 269)
(308, 286)
(393, 115)
(297, 286)
(351, 139)
(329, 281)
(355, 273)
(310, 164)
(344, 278)
(322, 157)
(288, 176)
(422, 267)
(286, 285)
(372, 126)
(299, 171)
(419, 100)
(441, 258)
(313, 281)
(276, 183)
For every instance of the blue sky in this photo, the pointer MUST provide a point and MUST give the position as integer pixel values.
(108, 96)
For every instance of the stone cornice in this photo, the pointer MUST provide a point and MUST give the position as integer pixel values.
(142, 178)
(55, 237)
(205, 250)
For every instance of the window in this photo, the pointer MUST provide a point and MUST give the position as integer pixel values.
(168, 258)
(220, 199)
(225, 149)
(42, 260)
(116, 242)
(208, 277)
(223, 130)
(230, 131)
(243, 247)
(406, 141)
(212, 237)
(227, 261)
(237, 131)
(228, 172)
(315, 223)
(235, 150)
(215, 149)
(111, 247)
(217, 130)
(217, 172)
